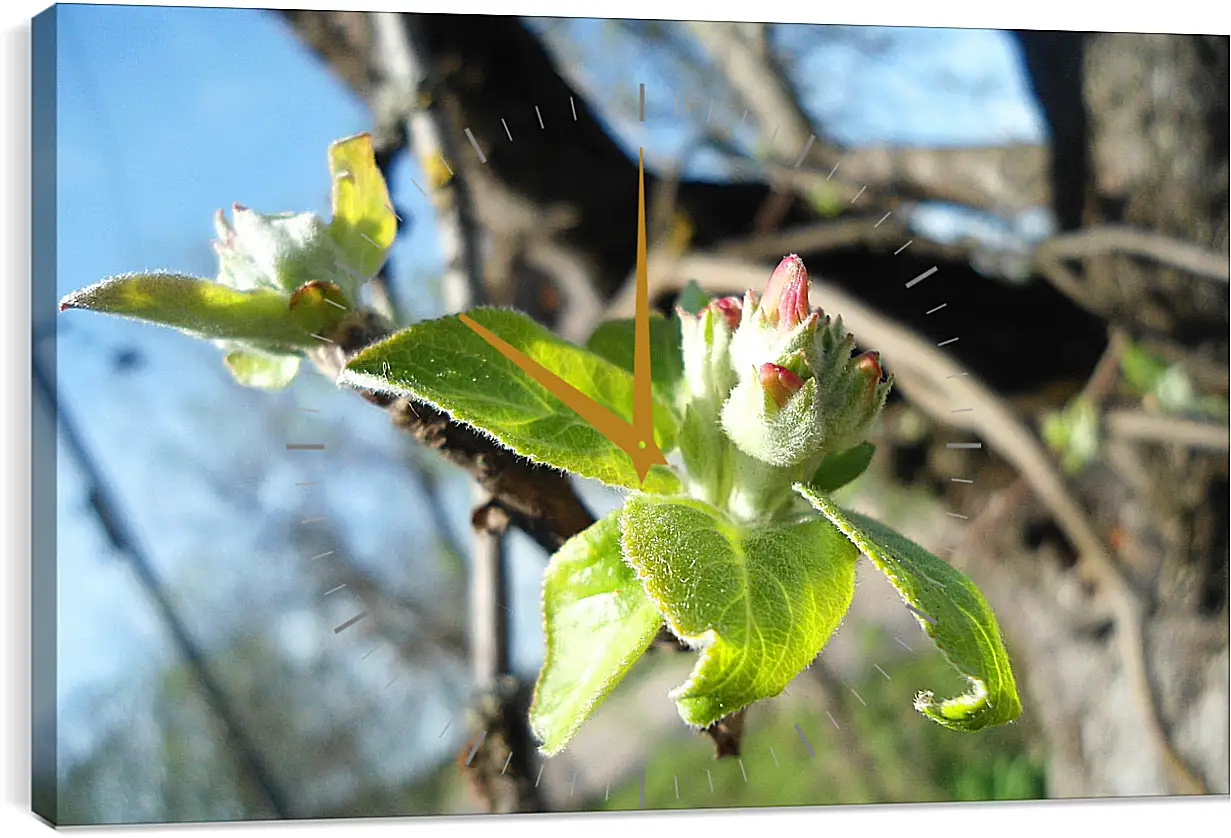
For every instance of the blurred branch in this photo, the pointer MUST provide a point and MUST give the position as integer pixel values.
(396, 618)
(117, 530)
(1155, 427)
(741, 53)
(992, 178)
(934, 382)
(505, 728)
(1099, 241)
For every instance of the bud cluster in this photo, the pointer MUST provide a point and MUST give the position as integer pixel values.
(771, 387)
(280, 252)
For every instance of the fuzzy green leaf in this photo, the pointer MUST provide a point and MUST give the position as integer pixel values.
(199, 307)
(444, 362)
(950, 610)
(364, 224)
(598, 621)
(613, 340)
(760, 603)
(837, 470)
(262, 371)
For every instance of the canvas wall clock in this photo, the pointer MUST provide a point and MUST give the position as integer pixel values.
(694, 368)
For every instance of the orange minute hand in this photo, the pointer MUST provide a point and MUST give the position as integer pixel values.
(636, 439)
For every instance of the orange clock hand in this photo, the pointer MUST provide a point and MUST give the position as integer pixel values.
(636, 439)
(643, 453)
(643, 399)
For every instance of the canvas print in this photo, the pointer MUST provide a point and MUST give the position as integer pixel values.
(447, 414)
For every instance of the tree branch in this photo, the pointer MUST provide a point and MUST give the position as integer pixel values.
(1111, 238)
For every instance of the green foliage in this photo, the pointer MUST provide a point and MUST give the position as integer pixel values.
(1074, 434)
(262, 371)
(1166, 386)
(446, 363)
(613, 340)
(843, 467)
(598, 622)
(758, 602)
(950, 610)
(759, 394)
(197, 306)
(364, 223)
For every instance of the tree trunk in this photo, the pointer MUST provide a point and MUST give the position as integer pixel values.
(1151, 147)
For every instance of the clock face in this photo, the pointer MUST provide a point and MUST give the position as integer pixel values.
(613, 268)
(786, 750)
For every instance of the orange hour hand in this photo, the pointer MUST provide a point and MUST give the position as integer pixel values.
(641, 449)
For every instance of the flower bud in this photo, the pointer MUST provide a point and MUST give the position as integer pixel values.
(868, 364)
(731, 308)
(235, 267)
(705, 344)
(282, 251)
(790, 272)
(779, 383)
(783, 348)
(793, 306)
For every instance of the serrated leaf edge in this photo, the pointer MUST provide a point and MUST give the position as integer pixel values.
(924, 701)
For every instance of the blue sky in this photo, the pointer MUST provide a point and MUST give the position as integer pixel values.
(167, 114)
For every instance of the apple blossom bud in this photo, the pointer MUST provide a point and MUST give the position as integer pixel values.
(868, 364)
(793, 306)
(731, 308)
(790, 273)
(779, 383)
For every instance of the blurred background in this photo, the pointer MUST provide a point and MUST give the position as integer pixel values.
(1070, 189)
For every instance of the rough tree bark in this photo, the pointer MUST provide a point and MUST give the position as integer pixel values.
(1138, 137)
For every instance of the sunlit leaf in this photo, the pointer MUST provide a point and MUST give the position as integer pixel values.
(261, 370)
(444, 362)
(199, 307)
(760, 603)
(364, 224)
(598, 621)
(950, 610)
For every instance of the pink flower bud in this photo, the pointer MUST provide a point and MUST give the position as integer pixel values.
(868, 364)
(793, 307)
(730, 308)
(779, 383)
(786, 291)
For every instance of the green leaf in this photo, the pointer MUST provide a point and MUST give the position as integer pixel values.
(693, 298)
(613, 340)
(760, 603)
(444, 362)
(364, 224)
(950, 610)
(598, 622)
(260, 370)
(837, 470)
(199, 307)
